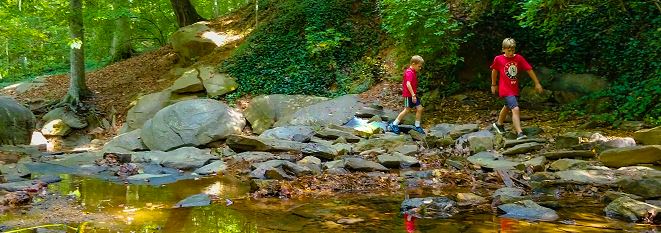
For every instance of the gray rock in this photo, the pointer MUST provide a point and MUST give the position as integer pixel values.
(125, 143)
(311, 162)
(189, 43)
(523, 148)
(388, 142)
(529, 94)
(297, 133)
(508, 195)
(397, 160)
(430, 207)
(264, 111)
(191, 123)
(331, 134)
(183, 158)
(569, 154)
(29, 184)
(146, 107)
(537, 163)
(452, 130)
(336, 111)
(630, 209)
(646, 187)
(631, 125)
(358, 164)
(55, 127)
(627, 156)
(70, 118)
(492, 160)
(337, 171)
(470, 199)
(279, 170)
(216, 84)
(510, 143)
(569, 87)
(648, 136)
(570, 139)
(610, 196)
(566, 164)
(187, 83)
(16, 122)
(528, 210)
(194, 200)
(212, 168)
(333, 164)
(249, 143)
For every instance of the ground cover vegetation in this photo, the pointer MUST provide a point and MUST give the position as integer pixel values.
(331, 48)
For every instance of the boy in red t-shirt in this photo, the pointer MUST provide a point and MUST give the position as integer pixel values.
(508, 65)
(409, 92)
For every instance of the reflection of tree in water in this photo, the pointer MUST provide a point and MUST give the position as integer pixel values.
(214, 218)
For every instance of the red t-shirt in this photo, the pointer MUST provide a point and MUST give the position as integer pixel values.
(508, 68)
(409, 75)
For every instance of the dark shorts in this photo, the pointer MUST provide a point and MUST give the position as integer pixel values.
(408, 102)
(511, 101)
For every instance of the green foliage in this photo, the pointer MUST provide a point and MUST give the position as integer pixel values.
(308, 47)
(620, 40)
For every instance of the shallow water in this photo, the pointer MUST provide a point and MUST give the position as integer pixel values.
(144, 208)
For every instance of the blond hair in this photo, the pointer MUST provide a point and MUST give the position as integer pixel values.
(417, 59)
(509, 43)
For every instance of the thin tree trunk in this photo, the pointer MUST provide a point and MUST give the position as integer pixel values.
(77, 86)
(121, 41)
(185, 12)
(215, 8)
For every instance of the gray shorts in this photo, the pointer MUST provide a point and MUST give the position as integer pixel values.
(511, 101)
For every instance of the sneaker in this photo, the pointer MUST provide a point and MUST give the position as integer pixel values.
(521, 136)
(420, 130)
(393, 128)
(500, 129)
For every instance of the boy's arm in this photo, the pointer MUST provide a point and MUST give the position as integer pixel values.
(494, 81)
(533, 76)
(408, 86)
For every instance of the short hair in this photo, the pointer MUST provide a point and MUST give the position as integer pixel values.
(417, 59)
(509, 43)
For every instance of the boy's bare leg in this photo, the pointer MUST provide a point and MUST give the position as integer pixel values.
(402, 114)
(516, 121)
(503, 114)
(418, 113)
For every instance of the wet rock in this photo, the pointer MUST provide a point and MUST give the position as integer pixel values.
(429, 207)
(470, 199)
(656, 203)
(569, 154)
(30, 185)
(297, 133)
(158, 169)
(153, 179)
(212, 168)
(492, 160)
(264, 111)
(194, 200)
(311, 162)
(648, 187)
(610, 196)
(528, 210)
(627, 156)
(260, 184)
(510, 143)
(191, 123)
(631, 210)
(183, 158)
(648, 136)
(523, 148)
(566, 164)
(16, 122)
(508, 195)
(358, 164)
(125, 143)
(254, 157)
(279, 170)
(397, 160)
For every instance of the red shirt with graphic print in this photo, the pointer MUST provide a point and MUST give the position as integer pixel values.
(508, 68)
(411, 76)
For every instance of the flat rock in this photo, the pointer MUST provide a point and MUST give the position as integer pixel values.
(630, 209)
(523, 148)
(569, 154)
(528, 210)
(626, 156)
(214, 167)
(194, 200)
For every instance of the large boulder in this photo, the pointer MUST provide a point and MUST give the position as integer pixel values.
(16, 122)
(264, 111)
(193, 41)
(146, 107)
(569, 87)
(191, 123)
(337, 111)
(648, 136)
(632, 210)
(125, 143)
(183, 158)
(620, 157)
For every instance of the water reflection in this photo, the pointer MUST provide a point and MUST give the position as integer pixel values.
(145, 208)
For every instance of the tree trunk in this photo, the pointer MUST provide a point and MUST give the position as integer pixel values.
(77, 87)
(215, 8)
(121, 41)
(185, 12)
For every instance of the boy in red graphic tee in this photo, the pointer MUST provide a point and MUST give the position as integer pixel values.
(507, 66)
(409, 92)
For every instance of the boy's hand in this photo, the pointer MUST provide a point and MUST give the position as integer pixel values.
(494, 89)
(538, 88)
(414, 99)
